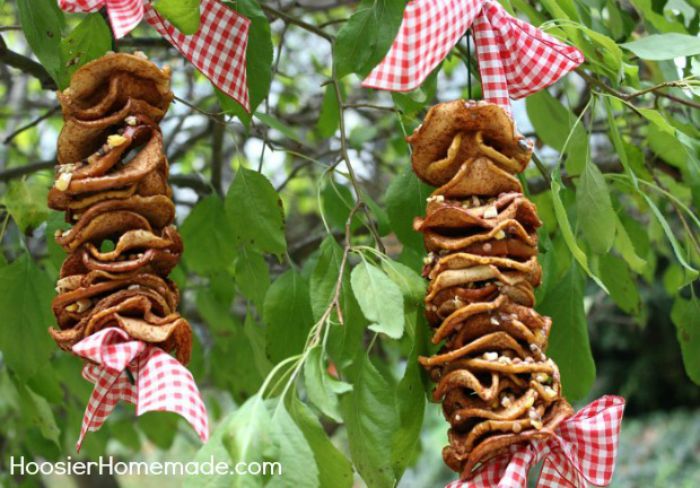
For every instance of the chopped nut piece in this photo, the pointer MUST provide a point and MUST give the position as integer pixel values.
(131, 120)
(475, 201)
(490, 356)
(495, 321)
(500, 235)
(73, 307)
(504, 360)
(491, 213)
(83, 304)
(517, 428)
(537, 424)
(115, 140)
(63, 181)
(543, 378)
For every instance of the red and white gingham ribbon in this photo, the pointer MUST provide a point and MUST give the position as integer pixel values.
(582, 450)
(161, 383)
(515, 58)
(218, 49)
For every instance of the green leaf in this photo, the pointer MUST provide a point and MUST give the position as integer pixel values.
(41, 21)
(26, 202)
(412, 285)
(626, 248)
(595, 214)
(324, 277)
(279, 126)
(685, 315)
(234, 361)
(36, 412)
(255, 210)
(208, 236)
(287, 313)
(365, 39)
(565, 228)
(621, 285)
(159, 427)
(659, 47)
(89, 40)
(213, 450)
(335, 471)
(322, 388)
(295, 454)
(343, 339)
(404, 200)
(255, 340)
(569, 345)
(553, 123)
(380, 299)
(370, 419)
(258, 60)
(410, 409)
(252, 276)
(183, 14)
(337, 202)
(25, 299)
(247, 438)
(330, 113)
(649, 13)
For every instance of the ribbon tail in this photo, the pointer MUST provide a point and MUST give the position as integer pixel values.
(508, 471)
(515, 58)
(419, 47)
(124, 16)
(584, 448)
(164, 384)
(75, 6)
(558, 472)
(218, 49)
(110, 388)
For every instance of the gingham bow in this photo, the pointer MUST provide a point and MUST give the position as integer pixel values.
(515, 58)
(218, 49)
(160, 382)
(582, 451)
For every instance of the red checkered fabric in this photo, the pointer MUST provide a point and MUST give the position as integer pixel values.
(218, 49)
(124, 15)
(160, 382)
(515, 58)
(582, 451)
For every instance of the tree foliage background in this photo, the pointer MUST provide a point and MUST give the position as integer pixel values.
(300, 274)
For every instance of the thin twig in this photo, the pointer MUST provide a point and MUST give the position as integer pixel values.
(372, 107)
(542, 169)
(346, 158)
(215, 116)
(628, 96)
(217, 160)
(295, 21)
(31, 124)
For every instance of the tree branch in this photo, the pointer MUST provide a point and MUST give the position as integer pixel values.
(19, 171)
(26, 65)
(628, 96)
(285, 17)
(31, 124)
